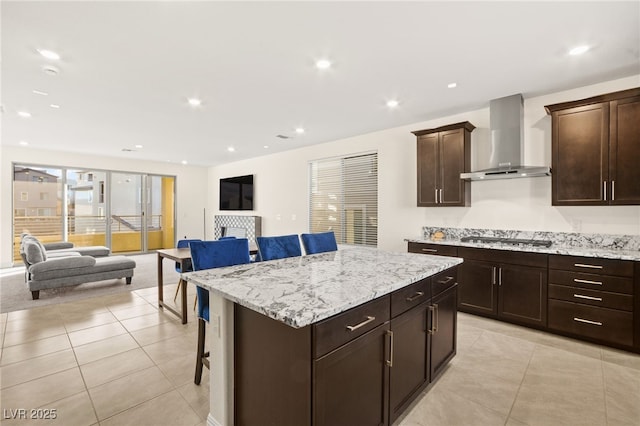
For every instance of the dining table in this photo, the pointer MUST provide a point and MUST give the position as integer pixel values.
(180, 256)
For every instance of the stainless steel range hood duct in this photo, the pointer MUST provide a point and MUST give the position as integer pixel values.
(506, 118)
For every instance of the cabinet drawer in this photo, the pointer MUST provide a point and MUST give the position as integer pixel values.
(412, 295)
(585, 296)
(604, 324)
(592, 265)
(433, 249)
(339, 329)
(443, 281)
(591, 281)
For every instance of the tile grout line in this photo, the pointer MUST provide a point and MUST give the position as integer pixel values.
(520, 386)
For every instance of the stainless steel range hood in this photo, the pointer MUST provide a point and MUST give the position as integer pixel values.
(507, 138)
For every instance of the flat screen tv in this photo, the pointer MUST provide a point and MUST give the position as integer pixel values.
(236, 193)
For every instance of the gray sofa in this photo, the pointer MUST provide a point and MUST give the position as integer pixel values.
(59, 268)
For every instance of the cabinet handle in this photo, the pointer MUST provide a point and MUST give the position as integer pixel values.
(499, 276)
(418, 295)
(440, 195)
(390, 360)
(445, 280)
(430, 329)
(430, 250)
(613, 190)
(584, 265)
(436, 195)
(362, 324)
(493, 275)
(581, 296)
(587, 321)
(576, 280)
(604, 187)
(437, 312)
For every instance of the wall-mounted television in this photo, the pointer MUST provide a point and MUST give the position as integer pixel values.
(236, 193)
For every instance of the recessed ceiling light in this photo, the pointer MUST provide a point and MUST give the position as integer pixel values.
(23, 143)
(323, 64)
(49, 54)
(184, 161)
(579, 50)
(231, 149)
(24, 114)
(451, 85)
(392, 103)
(195, 102)
(138, 146)
(55, 106)
(300, 130)
(266, 147)
(50, 70)
(38, 92)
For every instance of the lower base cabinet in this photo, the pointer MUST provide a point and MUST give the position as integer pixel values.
(350, 383)
(363, 367)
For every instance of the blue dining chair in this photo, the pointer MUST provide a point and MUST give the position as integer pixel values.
(319, 242)
(186, 265)
(271, 248)
(209, 255)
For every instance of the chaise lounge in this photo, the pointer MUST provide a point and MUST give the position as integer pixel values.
(46, 270)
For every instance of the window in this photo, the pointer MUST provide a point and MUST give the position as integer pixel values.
(44, 196)
(24, 196)
(344, 198)
(20, 212)
(44, 212)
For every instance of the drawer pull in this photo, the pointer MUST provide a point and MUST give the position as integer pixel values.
(576, 280)
(390, 360)
(362, 324)
(581, 296)
(418, 295)
(430, 250)
(445, 280)
(585, 265)
(587, 321)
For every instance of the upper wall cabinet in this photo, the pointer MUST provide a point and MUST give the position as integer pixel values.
(596, 150)
(444, 153)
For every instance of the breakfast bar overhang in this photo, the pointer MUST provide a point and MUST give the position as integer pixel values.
(281, 331)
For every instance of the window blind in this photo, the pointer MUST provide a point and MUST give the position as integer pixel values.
(343, 198)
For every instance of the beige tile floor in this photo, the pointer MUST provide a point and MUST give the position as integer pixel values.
(117, 360)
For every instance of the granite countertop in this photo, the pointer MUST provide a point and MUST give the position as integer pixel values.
(300, 291)
(606, 246)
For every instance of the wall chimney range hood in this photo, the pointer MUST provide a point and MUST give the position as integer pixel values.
(506, 118)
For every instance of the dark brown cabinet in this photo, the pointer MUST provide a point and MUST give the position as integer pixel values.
(443, 153)
(351, 383)
(596, 150)
(363, 366)
(443, 331)
(592, 298)
(499, 284)
(410, 361)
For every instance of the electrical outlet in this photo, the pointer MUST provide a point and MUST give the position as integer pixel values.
(293, 217)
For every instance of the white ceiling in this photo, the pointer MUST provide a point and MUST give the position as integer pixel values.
(127, 68)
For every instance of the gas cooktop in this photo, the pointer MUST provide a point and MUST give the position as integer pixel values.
(513, 241)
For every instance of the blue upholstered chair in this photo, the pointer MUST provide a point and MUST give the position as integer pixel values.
(186, 265)
(209, 255)
(271, 248)
(319, 242)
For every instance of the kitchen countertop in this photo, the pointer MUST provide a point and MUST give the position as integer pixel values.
(304, 290)
(586, 251)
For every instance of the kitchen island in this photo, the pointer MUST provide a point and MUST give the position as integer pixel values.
(332, 338)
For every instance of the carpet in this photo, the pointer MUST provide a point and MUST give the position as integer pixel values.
(15, 295)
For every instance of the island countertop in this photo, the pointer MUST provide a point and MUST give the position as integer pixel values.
(300, 291)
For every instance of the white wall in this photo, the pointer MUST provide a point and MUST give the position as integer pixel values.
(191, 187)
(281, 185)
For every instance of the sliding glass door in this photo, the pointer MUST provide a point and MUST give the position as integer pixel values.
(127, 212)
